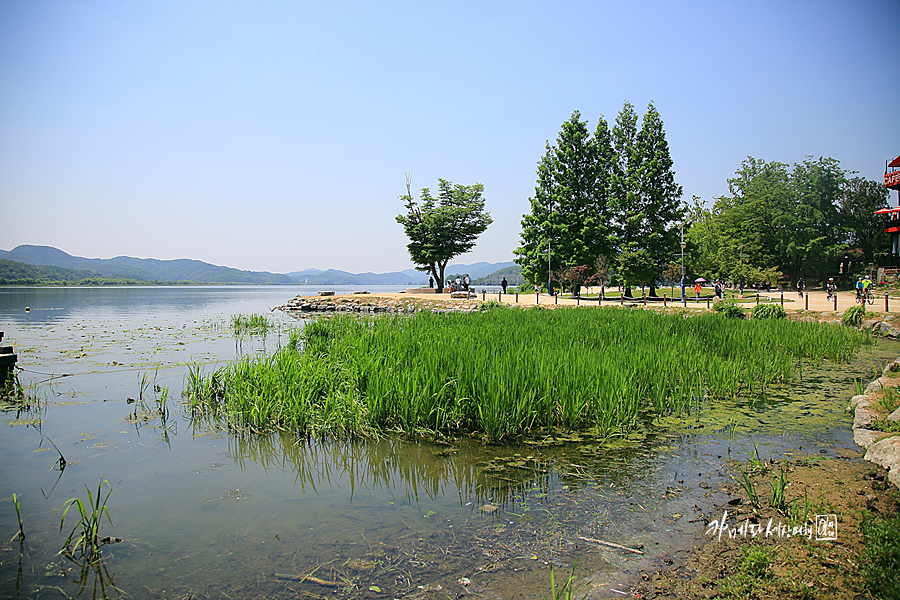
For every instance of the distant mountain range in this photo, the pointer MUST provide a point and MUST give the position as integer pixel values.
(74, 268)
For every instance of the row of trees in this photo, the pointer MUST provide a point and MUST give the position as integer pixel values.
(810, 220)
(606, 207)
(603, 202)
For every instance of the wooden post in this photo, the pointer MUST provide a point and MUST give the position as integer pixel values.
(835, 300)
(578, 300)
(757, 297)
(644, 297)
(782, 298)
(886, 302)
(499, 296)
(664, 299)
(556, 298)
(517, 297)
(483, 295)
(622, 299)
(806, 301)
(707, 301)
(537, 297)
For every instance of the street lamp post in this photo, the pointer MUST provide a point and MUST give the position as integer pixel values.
(682, 260)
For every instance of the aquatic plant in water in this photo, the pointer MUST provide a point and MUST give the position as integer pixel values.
(250, 324)
(503, 373)
(84, 540)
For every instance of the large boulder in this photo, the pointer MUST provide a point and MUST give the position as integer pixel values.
(887, 454)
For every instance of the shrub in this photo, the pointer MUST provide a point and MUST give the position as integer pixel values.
(730, 309)
(854, 315)
(525, 288)
(882, 567)
(769, 311)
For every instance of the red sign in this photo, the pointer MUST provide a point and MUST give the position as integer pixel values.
(892, 180)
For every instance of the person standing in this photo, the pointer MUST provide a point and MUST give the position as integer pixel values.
(503, 284)
(466, 282)
(430, 282)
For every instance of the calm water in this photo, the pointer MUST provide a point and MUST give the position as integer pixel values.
(206, 513)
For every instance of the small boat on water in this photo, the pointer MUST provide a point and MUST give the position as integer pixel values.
(7, 360)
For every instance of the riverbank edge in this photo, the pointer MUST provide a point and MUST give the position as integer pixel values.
(708, 570)
(882, 448)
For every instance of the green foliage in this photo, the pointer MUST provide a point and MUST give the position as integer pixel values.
(250, 324)
(768, 311)
(749, 487)
(882, 564)
(21, 532)
(84, 539)
(570, 203)
(441, 228)
(756, 562)
(730, 309)
(860, 200)
(564, 591)
(637, 268)
(601, 195)
(777, 497)
(853, 316)
(795, 219)
(502, 373)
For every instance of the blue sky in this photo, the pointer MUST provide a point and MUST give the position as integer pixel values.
(275, 136)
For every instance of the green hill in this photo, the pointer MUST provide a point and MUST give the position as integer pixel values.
(17, 273)
(142, 269)
(513, 277)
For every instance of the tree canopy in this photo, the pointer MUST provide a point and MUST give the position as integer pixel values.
(442, 227)
(600, 195)
(800, 221)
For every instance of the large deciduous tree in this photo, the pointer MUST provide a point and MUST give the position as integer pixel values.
(865, 230)
(443, 227)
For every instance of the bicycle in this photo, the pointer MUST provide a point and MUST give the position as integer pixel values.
(870, 297)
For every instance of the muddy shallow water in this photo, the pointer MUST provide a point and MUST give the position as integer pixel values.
(205, 513)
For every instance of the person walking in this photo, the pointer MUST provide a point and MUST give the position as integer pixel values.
(800, 286)
(430, 282)
(503, 284)
(697, 289)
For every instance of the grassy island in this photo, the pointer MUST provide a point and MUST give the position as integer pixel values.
(504, 373)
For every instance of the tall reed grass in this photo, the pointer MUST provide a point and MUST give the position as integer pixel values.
(503, 373)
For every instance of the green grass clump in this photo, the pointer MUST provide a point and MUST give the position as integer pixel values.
(250, 324)
(84, 539)
(505, 373)
(854, 315)
(769, 311)
(730, 309)
(756, 562)
(882, 564)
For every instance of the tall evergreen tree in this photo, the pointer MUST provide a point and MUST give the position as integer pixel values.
(624, 189)
(569, 208)
(660, 197)
(646, 198)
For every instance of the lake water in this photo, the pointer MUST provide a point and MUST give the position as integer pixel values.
(205, 513)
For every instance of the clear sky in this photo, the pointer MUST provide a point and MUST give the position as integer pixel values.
(275, 135)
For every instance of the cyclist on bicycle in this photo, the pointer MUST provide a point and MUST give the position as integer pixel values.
(829, 288)
(859, 288)
(868, 286)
